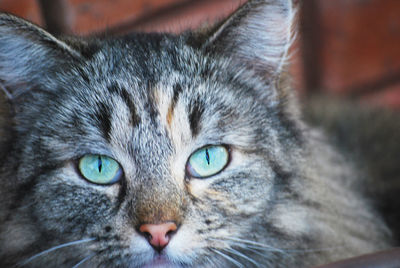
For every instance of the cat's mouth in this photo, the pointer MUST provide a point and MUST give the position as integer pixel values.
(160, 261)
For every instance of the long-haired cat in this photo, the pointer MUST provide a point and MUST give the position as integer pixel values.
(160, 150)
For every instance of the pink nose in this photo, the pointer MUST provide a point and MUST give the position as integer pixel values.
(158, 234)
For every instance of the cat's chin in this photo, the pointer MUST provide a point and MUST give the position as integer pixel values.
(160, 261)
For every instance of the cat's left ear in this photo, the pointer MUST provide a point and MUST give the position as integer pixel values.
(29, 55)
(258, 35)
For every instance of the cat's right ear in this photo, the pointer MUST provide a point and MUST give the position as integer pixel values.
(258, 35)
(28, 55)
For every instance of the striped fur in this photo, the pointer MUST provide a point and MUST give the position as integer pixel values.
(286, 199)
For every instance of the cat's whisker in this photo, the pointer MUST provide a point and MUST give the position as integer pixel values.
(257, 245)
(311, 250)
(256, 249)
(232, 260)
(254, 243)
(84, 260)
(239, 254)
(56, 248)
(249, 246)
(6, 92)
(259, 252)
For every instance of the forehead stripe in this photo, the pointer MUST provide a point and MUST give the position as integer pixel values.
(124, 95)
(196, 110)
(177, 91)
(102, 117)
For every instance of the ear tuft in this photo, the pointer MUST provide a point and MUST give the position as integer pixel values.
(259, 34)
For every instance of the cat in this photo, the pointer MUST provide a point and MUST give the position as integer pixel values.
(162, 150)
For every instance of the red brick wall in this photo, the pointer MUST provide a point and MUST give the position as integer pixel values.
(346, 47)
(356, 48)
(28, 9)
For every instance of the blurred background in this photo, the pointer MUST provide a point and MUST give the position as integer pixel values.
(348, 48)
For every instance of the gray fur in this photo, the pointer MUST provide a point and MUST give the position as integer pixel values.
(287, 198)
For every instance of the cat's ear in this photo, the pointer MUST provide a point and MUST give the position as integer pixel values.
(259, 35)
(28, 55)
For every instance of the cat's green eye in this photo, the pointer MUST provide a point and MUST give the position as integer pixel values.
(100, 169)
(207, 161)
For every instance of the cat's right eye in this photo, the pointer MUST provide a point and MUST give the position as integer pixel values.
(100, 169)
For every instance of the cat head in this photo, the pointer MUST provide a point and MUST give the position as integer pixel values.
(149, 149)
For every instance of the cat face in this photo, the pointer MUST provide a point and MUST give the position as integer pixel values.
(150, 121)
(153, 150)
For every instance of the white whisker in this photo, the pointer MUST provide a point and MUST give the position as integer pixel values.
(84, 260)
(238, 264)
(6, 92)
(249, 242)
(237, 253)
(259, 252)
(55, 248)
(255, 249)
(310, 250)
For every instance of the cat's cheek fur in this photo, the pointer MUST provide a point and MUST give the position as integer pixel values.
(60, 201)
(18, 234)
(292, 220)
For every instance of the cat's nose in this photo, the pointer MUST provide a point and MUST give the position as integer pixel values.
(158, 235)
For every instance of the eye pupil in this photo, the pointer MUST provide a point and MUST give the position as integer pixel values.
(207, 157)
(99, 164)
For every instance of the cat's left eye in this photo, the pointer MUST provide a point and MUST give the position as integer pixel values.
(100, 169)
(207, 161)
